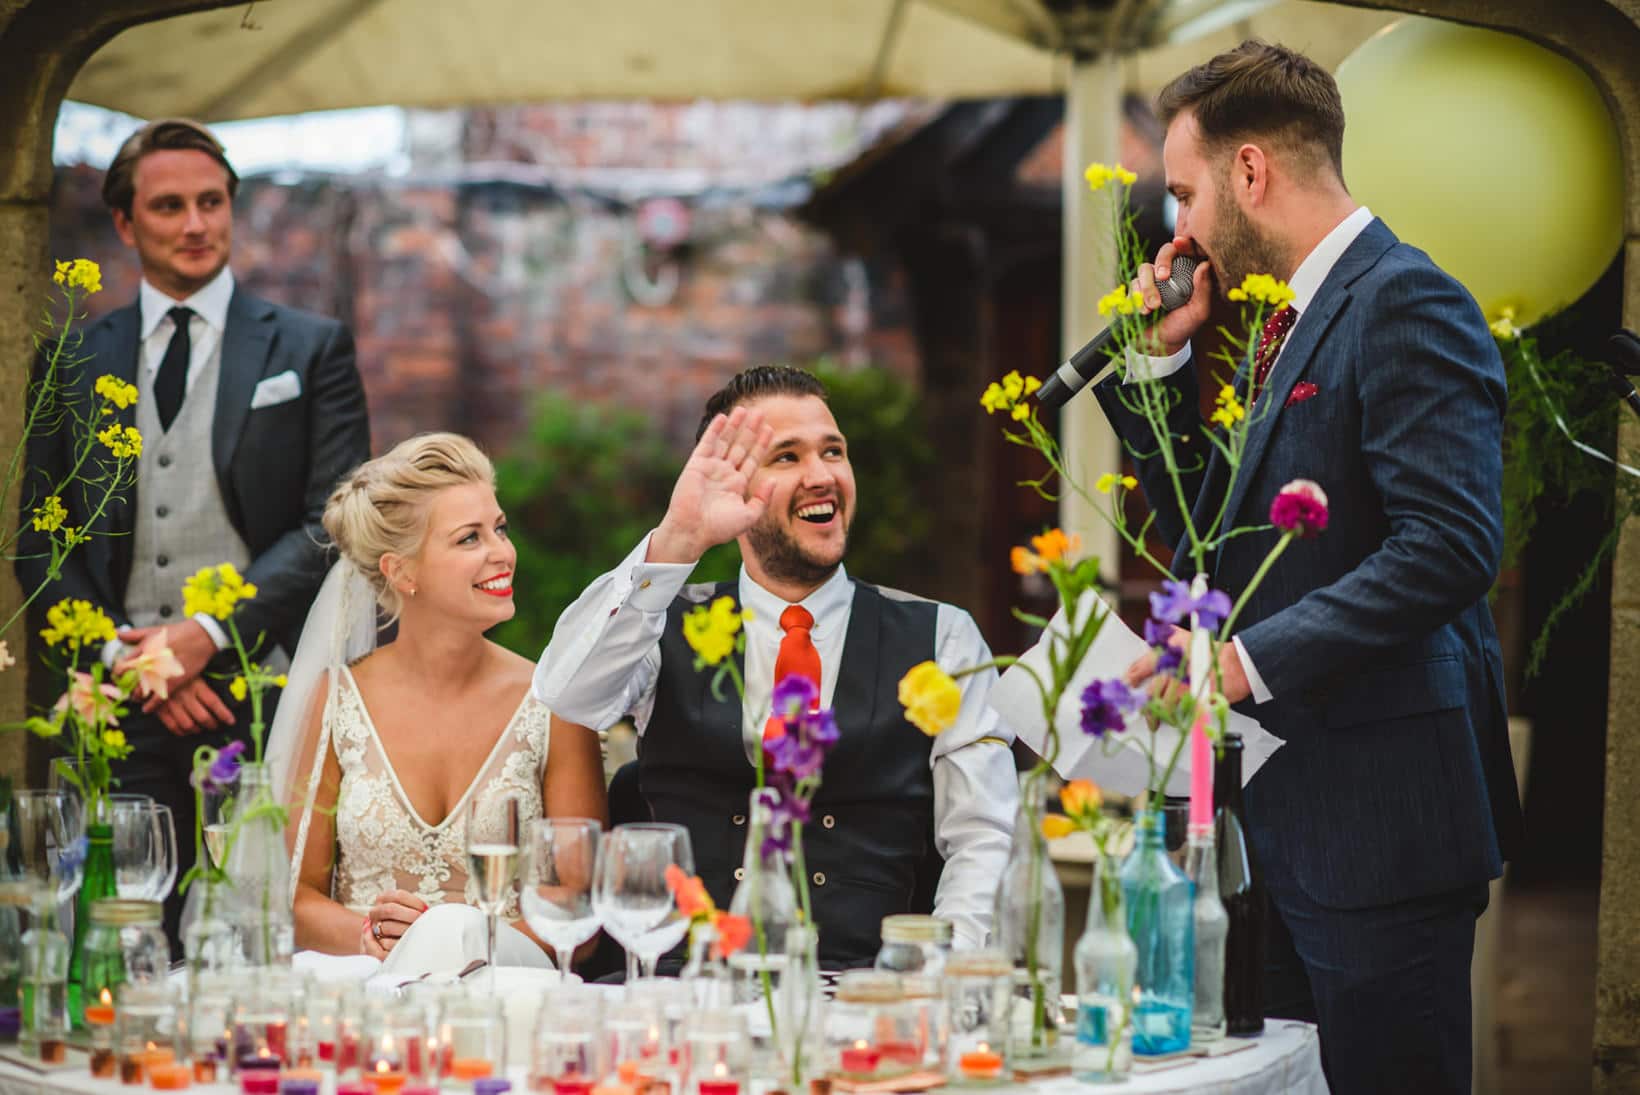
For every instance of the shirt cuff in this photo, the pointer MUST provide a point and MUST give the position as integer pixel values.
(1144, 367)
(654, 585)
(212, 628)
(112, 651)
(1261, 694)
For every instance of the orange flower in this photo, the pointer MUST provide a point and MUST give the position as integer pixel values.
(1055, 826)
(689, 892)
(1080, 797)
(733, 933)
(1054, 545)
(1024, 561)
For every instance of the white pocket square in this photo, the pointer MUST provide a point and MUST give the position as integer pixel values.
(276, 390)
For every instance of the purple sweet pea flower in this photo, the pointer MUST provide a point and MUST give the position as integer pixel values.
(1172, 605)
(793, 695)
(1104, 703)
(223, 771)
(1212, 610)
(785, 809)
(1169, 659)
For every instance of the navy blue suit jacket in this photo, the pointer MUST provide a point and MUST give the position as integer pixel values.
(1375, 638)
(275, 465)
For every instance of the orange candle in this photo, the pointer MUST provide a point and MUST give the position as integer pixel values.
(100, 1014)
(470, 1068)
(386, 1081)
(155, 1056)
(170, 1077)
(982, 1063)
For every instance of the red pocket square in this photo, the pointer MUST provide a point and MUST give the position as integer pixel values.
(1301, 391)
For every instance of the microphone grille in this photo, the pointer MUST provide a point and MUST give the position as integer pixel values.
(1176, 290)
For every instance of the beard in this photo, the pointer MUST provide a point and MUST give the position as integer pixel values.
(1238, 248)
(784, 559)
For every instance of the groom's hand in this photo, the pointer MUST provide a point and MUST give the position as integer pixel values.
(713, 501)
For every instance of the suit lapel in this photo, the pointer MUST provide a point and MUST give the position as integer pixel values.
(1300, 351)
(246, 342)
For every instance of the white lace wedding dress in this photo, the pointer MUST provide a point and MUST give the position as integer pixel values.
(382, 843)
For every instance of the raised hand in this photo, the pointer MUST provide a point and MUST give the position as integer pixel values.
(1178, 326)
(713, 501)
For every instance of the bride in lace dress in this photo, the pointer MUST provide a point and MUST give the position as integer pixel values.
(402, 746)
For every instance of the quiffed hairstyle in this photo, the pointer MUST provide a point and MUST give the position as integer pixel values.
(167, 134)
(759, 382)
(381, 506)
(1259, 91)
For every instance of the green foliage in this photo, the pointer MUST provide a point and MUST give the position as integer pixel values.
(584, 484)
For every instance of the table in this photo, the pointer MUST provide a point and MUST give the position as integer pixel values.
(1285, 1060)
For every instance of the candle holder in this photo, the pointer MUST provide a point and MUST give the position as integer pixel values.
(145, 1028)
(206, 1027)
(99, 1021)
(925, 998)
(870, 1030)
(44, 995)
(261, 1024)
(395, 1035)
(914, 943)
(564, 1052)
(978, 990)
(717, 1052)
(637, 1050)
(472, 1040)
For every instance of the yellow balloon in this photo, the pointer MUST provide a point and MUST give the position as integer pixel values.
(1491, 153)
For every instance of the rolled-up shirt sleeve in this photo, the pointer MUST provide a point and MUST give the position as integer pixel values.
(976, 790)
(604, 657)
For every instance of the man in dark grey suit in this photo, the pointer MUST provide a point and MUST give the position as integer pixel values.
(1370, 650)
(249, 412)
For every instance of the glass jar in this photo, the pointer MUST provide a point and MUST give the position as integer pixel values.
(870, 1028)
(913, 943)
(207, 1025)
(261, 1024)
(44, 998)
(472, 1041)
(925, 996)
(124, 942)
(564, 1052)
(717, 1053)
(978, 990)
(145, 1028)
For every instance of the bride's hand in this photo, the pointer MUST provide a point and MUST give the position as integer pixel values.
(391, 916)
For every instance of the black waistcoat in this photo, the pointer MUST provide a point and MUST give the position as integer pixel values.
(869, 843)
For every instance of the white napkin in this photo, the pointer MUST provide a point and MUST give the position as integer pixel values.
(1118, 760)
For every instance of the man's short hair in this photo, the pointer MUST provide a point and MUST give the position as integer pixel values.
(1262, 91)
(168, 134)
(759, 382)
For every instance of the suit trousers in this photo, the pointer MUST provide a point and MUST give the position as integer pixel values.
(1387, 985)
(159, 766)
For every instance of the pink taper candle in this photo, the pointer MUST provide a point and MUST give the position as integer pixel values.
(1201, 777)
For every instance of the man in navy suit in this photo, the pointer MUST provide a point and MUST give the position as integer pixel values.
(1370, 649)
(249, 413)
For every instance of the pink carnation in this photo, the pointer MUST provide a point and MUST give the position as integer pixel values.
(1300, 507)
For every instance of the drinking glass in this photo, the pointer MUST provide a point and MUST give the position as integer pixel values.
(556, 896)
(166, 875)
(630, 893)
(50, 846)
(136, 846)
(492, 862)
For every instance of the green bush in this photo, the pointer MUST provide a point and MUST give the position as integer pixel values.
(584, 484)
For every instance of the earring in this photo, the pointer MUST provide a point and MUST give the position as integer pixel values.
(412, 591)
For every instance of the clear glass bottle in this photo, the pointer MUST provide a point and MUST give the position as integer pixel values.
(258, 866)
(44, 1031)
(1105, 963)
(1161, 922)
(1029, 924)
(1212, 925)
(765, 897)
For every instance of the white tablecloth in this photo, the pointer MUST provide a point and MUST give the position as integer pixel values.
(1285, 1060)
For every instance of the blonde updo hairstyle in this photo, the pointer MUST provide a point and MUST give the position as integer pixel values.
(381, 507)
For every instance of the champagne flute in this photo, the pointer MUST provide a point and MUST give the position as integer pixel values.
(630, 893)
(492, 862)
(556, 896)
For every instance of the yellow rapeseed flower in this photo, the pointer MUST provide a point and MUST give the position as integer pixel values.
(280, 681)
(238, 689)
(49, 515)
(1264, 289)
(116, 391)
(80, 274)
(114, 739)
(710, 631)
(1503, 328)
(76, 623)
(930, 697)
(1229, 410)
(1006, 395)
(125, 442)
(215, 590)
(1099, 176)
(1055, 826)
(1120, 301)
(1110, 481)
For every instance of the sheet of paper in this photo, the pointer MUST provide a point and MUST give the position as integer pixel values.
(1117, 760)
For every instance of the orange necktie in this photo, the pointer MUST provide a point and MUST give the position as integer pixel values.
(797, 655)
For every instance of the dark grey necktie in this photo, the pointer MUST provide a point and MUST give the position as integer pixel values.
(172, 379)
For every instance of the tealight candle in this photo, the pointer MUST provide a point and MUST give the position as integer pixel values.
(170, 1077)
(101, 1014)
(860, 1058)
(204, 1070)
(259, 1081)
(572, 1085)
(466, 1069)
(982, 1063)
(719, 1087)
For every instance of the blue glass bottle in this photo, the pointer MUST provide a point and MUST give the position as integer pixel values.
(1161, 920)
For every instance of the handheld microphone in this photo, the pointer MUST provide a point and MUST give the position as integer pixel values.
(1084, 364)
(1623, 357)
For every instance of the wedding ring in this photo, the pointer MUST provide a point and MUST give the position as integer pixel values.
(376, 930)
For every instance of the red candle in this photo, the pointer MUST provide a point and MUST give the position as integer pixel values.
(571, 1085)
(327, 1051)
(1201, 776)
(719, 1087)
(860, 1057)
(900, 1051)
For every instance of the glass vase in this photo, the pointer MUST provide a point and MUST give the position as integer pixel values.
(766, 898)
(258, 867)
(1161, 922)
(1029, 923)
(1211, 925)
(1106, 960)
(99, 882)
(799, 1030)
(210, 939)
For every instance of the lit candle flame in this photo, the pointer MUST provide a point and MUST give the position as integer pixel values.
(984, 1047)
(860, 1043)
(107, 997)
(720, 1070)
(381, 1066)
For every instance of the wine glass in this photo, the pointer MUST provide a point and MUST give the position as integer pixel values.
(50, 846)
(556, 896)
(631, 895)
(492, 862)
(136, 845)
(166, 875)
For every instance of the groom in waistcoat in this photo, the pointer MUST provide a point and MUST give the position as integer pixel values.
(771, 470)
(249, 413)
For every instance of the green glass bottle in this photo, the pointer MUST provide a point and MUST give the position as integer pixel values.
(98, 883)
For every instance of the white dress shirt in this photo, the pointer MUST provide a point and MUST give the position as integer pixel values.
(1306, 282)
(154, 331)
(604, 661)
